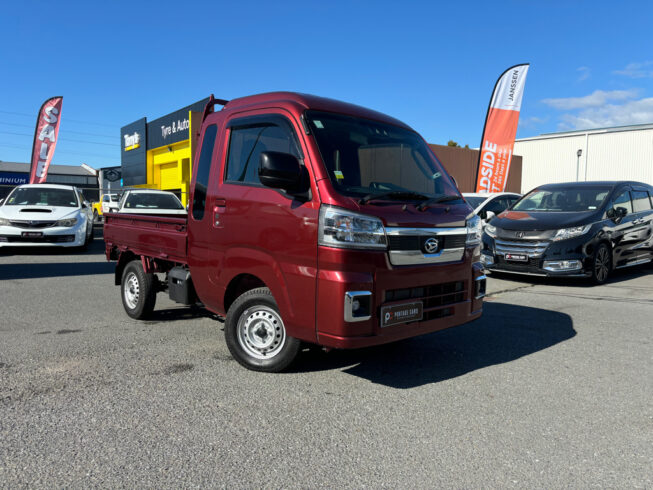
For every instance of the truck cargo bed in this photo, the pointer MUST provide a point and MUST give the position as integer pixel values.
(162, 237)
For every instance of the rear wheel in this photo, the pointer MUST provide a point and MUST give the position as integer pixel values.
(138, 291)
(601, 264)
(256, 335)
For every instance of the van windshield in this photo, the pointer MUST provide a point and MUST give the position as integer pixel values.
(565, 200)
(365, 157)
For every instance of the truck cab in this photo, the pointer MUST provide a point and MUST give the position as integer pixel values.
(313, 220)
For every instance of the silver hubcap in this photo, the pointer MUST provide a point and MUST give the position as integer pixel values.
(261, 333)
(602, 264)
(132, 290)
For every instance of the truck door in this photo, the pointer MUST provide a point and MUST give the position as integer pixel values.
(263, 232)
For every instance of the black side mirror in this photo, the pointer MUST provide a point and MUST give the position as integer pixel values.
(482, 214)
(280, 170)
(621, 212)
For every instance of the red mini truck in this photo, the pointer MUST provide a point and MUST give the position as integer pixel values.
(310, 220)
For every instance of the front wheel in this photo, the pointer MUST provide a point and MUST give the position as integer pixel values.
(601, 264)
(255, 333)
(138, 291)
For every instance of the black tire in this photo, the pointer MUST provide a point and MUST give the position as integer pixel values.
(601, 264)
(138, 291)
(255, 333)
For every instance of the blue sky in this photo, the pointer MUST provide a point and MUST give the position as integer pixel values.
(430, 64)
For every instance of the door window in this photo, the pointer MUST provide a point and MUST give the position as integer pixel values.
(246, 144)
(497, 206)
(203, 168)
(641, 201)
(623, 201)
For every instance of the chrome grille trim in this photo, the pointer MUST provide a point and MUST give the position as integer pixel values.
(417, 257)
(529, 248)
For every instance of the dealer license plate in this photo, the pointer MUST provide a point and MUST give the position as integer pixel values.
(33, 234)
(407, 312)
(517, 257)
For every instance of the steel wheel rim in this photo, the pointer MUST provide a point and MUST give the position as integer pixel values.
(261, 333)
(132, 291)
(601, 264)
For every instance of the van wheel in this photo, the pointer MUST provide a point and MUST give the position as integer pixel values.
(138, 291)
(255, 333)
(601, 264)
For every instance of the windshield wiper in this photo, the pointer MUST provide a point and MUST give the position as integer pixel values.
(435, 200)
(394, 195)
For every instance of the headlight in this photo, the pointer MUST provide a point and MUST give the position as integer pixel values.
(474, 230)
(345, 229)
(4, 222)
(67, 222)
(566, 233)
(491, 230)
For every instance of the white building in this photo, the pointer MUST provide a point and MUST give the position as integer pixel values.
(620, 153)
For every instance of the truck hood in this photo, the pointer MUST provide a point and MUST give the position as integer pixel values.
(405, 215)
(37, 213)
(524, 221)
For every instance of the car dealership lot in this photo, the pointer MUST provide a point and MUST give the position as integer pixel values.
(551, 387)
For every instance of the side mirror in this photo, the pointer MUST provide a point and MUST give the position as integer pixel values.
(621, 212)
(84, 204)
(1, 201)
(279, 170)
(489, 215)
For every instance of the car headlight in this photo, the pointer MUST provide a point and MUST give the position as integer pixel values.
(68, 222)
(345, 229)
(566, 233)
(474, 230)
(491, 230)
(4, 222)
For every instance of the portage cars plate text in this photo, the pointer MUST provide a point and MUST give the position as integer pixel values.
(395, 314)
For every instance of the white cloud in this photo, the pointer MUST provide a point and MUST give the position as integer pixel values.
(637, 70)
(531, 122)
(585, 73)
(597, 98)
(632, 112)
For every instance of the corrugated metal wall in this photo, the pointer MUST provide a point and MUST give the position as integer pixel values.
(619, 155)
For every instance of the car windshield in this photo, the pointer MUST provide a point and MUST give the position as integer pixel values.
(474, 201)
(150, 200)
(566, 200)
(365, 157)
(42, 196)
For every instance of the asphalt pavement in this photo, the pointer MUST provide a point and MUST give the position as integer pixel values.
(551, 388)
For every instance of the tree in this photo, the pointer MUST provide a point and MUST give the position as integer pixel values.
(453, 143)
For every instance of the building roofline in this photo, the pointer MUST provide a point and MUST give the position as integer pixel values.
(581, 132)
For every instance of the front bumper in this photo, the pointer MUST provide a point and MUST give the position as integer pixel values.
(568, 258)
(451, 294)
(54, 236)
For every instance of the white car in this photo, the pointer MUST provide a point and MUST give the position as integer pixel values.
(150, 201)
(109, 203)
(488, 205)
(45, 215)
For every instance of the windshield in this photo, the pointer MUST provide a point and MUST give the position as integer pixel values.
(42, 196)
(150, 200)
(364, 157)
(566, 200)
(474, 201)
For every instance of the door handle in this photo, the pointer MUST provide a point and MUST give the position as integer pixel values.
(219, 207)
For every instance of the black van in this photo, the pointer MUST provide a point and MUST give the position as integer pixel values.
(575, 229)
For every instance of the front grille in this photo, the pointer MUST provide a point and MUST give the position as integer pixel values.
(32, 224)
(40, 239)
(433, 297)
(532, 248)
(415, 242)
